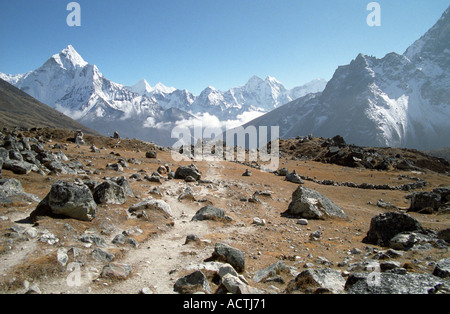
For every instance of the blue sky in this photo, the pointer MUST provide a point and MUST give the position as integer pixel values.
(192, 44)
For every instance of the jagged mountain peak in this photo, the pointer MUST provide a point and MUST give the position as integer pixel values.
(69, 57)
(436, 40)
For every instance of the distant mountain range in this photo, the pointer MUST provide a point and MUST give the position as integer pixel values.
(397, 101)
(78, 89)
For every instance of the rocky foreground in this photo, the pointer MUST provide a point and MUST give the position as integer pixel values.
(86, 214)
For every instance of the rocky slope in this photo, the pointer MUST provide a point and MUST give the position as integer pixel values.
(149, 228)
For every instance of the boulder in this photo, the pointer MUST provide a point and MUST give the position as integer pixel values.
(235, 285)
(273, 270)
(294, 177)
(385, 226)
(282, 172)
(18, 167)
(421, 200)
(67, 199)
(194, 282)
(209, 212)
(125, 184)
(152, 205)
(444, 234)
(442, 268)
(109, 192)
(11, 190)
(151, 154)
(408, 239)
(391, 283)
(323, 280)
(310, 204)
(228, 254)
(434, 200)
(116, 271)
(185, 171)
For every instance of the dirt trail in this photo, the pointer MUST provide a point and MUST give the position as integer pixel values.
(156, 263)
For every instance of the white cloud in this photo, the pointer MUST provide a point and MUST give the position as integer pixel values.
(74, 114)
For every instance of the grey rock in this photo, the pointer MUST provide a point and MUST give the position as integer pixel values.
(185, 171)
(385, 226)
(102, 255)
(119, 239)
(275, 269)
(109, 192)
(408, 239)
(236, 285)
(391, 283)
(150, 154)
(294, 177)
(152, 205)
(421, 200)
(18, 167)
(209, 212)
(310, 204)
(125, 184)
(258, 221)
(389, 265)
(11, 186)
(4, 154)
(444, 234)
(227, 269)
(228, 254)
(192, 238)
(192, 283)
(188, 193)
(67, 199)
(116, 271)
(282, 172)
(314, 236)
(61, 256)
(323, 280)
(94, 239)
(15, 155)
(442, 268)
(302, 221)
(116, 167)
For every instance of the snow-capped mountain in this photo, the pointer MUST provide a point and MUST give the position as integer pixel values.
(78, 89)
(398, 101)
(256, 95)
